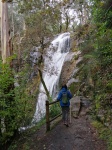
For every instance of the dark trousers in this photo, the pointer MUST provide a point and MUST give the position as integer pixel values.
(65, 114)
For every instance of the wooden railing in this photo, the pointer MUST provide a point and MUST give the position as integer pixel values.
(48, 121)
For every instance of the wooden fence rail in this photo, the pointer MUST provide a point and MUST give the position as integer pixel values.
(48, 121)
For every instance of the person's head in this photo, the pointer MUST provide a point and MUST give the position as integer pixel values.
(64, 86)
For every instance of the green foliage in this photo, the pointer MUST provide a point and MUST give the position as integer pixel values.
(104, 133)
(6, 101)
(42, 20)
(95, 71)
(27, 135)
(74, 88)
(55, 110)
(15, 103)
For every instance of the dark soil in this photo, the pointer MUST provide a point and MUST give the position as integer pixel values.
(80, 135)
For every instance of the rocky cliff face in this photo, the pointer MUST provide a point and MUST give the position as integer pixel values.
(70, 68)
(67, 68)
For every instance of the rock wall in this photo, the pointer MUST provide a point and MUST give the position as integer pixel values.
(70, 68)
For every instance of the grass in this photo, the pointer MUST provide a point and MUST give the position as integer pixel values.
(104, 133)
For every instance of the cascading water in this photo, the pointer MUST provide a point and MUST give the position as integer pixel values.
(58, 49)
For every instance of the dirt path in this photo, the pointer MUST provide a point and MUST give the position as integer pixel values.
(80, 135)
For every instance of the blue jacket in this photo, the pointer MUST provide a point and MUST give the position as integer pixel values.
(59, 98)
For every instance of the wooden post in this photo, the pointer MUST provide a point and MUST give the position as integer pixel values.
(47, 116)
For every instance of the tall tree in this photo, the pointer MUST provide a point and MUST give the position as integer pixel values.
(5, 32)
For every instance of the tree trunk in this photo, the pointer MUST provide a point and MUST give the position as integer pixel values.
(5, 32)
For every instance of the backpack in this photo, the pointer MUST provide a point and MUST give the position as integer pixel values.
(64, 98)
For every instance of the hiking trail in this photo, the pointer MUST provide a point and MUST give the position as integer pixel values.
(80, 135)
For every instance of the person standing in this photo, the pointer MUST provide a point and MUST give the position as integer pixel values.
(64, 97)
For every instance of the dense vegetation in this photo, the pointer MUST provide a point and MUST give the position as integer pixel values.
(96, 67)
(93, 33)
(97, 63)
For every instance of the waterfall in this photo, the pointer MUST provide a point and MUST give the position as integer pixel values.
(53, 62)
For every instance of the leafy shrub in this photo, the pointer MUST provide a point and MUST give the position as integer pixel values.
(15, 103)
